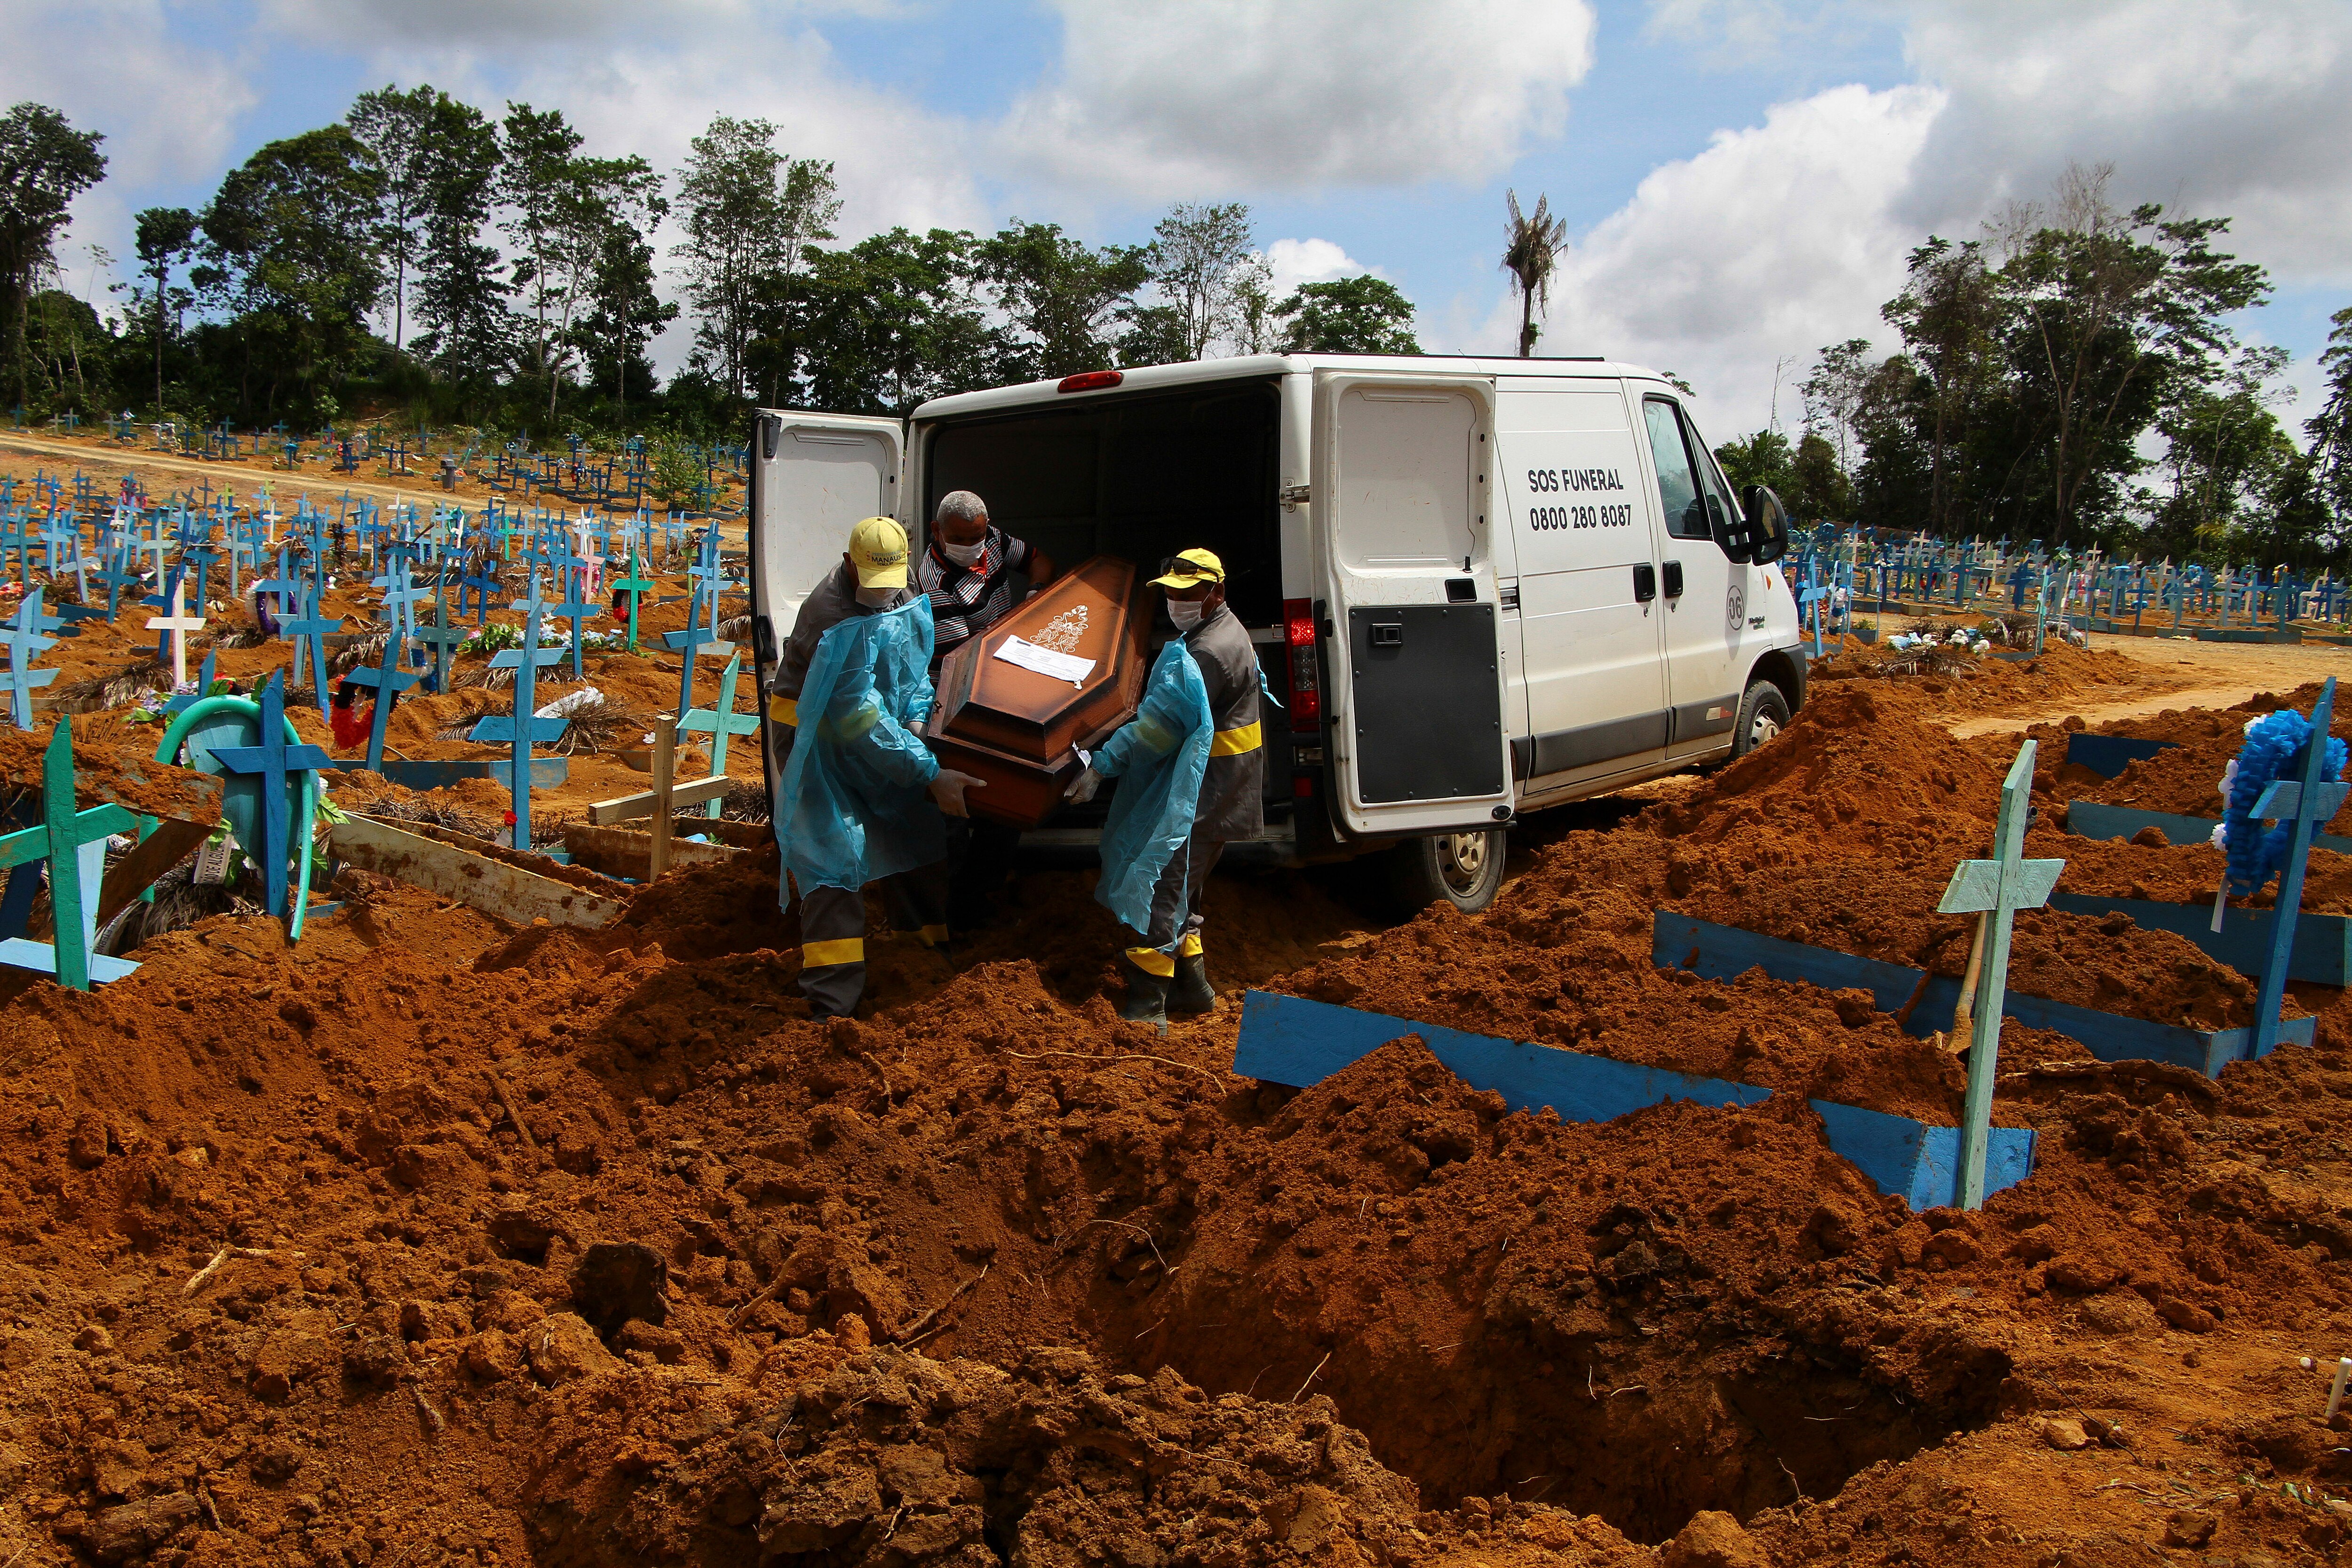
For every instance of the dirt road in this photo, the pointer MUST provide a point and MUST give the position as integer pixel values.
(2210, 675)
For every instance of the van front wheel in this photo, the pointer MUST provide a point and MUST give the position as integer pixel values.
(1763, 714)
(1463, 868)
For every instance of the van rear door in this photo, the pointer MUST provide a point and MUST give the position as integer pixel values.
(1399, 496)
(812, 477)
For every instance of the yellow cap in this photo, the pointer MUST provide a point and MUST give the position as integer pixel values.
(1190, 569)
(878, 549)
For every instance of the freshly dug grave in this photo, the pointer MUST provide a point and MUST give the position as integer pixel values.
(2185, 779)
(589, 1246)
(1956, 682)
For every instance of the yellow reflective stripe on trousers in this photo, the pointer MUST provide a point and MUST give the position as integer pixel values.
(1191, 946)
(1233, 742)
(820, 955)
(1151, 960)
(784, 710)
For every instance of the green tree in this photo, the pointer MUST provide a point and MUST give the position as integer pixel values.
(561, 208)
(892, 321)
(2330, 429)
(45, 163)
(2224, 455)
(2106, 307)
(749, 214)
(1950, 314)
(1530, 255)
(1763, 458)
(461, 292)
(397, 129)
(1059, 296)
(623, 313)
(292, 233)
(1364, 315)
(166, 236)
(1818, 487)
(1197, 254)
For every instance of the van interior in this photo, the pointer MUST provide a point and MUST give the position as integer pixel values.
(1139, 477)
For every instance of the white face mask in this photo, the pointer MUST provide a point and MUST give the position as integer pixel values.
(1185, 613)
(963, 555)
(877, 598)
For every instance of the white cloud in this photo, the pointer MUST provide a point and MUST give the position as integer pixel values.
(2215, 107)
(1775, 240)
(1156, 101)
(170, 113)
(1297, 261)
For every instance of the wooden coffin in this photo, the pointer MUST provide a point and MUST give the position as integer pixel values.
(1021, 728)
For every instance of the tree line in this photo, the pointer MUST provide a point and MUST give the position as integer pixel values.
(421, 258)
(2073, 375)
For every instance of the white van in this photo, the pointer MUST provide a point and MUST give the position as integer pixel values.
(1480, 586)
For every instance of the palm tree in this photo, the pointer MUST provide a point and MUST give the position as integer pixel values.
(1534, 248)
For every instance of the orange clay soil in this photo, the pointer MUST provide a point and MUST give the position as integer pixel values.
(431, 1241)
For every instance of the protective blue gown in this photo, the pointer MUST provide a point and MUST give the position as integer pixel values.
(1159, 759)
(855, 805)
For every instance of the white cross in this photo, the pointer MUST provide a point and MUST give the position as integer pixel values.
(179, 623)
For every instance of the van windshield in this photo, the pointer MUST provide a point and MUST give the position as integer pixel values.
(1141, 477)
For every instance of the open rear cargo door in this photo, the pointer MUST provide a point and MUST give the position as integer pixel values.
(813, 476)
(1402, 529)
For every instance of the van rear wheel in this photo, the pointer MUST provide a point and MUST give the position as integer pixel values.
(1763, 714)
(1463, 868)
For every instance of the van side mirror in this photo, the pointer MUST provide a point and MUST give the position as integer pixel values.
(1767, 525)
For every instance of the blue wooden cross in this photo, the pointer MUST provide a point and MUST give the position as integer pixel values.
(1812, 598)
(23, 641)
(572, 608)
(2308, 802)
(276, 762)
(314, 625)
(1997, 889)
(522, 730)
(117, 575)
(482, 580)
(722, 720)
(74, 844)
(697, 638)
(388, 681)
(399, 598)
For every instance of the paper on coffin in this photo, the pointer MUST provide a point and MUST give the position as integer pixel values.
(1061, 672)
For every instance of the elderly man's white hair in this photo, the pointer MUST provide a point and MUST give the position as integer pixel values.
(961, 506)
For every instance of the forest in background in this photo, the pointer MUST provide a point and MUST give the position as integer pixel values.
(2070, 375)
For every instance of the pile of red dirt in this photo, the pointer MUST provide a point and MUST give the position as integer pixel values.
(1956, 681)
(432, 1240)
(2184, 778)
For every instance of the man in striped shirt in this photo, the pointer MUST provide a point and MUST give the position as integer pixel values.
(970, 572)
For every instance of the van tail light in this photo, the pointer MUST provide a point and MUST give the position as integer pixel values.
(1306, 680)
(1091, 381)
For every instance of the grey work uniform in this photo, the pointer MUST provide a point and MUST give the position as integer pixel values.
(1233, 791)
(833, 919)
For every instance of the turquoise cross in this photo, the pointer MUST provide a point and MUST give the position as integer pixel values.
(23, 641)
(522, 730)
(315, 626)
(275, 761)
(74, 844)
(1998, 888)
(388, 681)
(722, 720)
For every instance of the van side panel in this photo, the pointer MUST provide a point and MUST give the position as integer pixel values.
(1590, 646)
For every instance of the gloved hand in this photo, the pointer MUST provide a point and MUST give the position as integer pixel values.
(1082, 788)
(947, 790)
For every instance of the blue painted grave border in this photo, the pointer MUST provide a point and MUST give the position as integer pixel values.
(2095, 819)
(2109, 755)
(1723, 953)
(1295, 1041)
(2323, 943)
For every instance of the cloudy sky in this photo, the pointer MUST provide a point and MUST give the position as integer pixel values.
(1741, 178)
